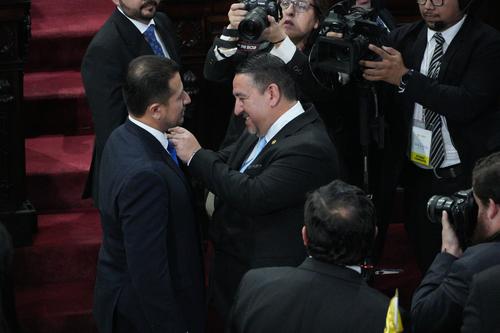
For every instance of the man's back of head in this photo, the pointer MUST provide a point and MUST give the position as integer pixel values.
(339, 224)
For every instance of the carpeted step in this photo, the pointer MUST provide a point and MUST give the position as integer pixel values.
(56, 308)
(398, 254)
(55, 103)
(56, 168)
(64, 250)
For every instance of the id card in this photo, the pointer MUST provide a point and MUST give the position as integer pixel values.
(421, 146)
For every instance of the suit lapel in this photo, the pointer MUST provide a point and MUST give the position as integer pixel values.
(456, 44)
(152, 144)
(131, 35)
(245, 143)
(418, 49)
(167, 39)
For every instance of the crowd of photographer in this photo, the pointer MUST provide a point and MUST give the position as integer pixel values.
(324, 96)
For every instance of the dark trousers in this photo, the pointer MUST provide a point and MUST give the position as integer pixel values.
(420, 185)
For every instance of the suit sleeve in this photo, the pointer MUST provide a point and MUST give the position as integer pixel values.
(472, 312)
(103, 74)
(438, 302)
(471, 86)
(144, 212)
(293, 171)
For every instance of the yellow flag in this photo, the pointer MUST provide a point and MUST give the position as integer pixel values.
(393, 323)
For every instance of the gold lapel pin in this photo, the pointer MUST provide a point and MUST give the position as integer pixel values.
(273, 142)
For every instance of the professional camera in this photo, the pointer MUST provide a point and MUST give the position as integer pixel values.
(462, 213)
(358, 27)
(251, 27)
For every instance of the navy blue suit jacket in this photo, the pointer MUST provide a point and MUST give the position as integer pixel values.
(149, 269)
(104, 67)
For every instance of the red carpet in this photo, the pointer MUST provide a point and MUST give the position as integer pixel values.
(54, 277)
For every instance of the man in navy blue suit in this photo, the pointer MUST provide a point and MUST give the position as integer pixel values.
(149, 271)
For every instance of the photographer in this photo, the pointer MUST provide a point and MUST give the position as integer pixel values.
(443, 72)
(289, 38)
(439, 300)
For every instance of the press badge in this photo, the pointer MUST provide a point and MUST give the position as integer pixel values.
(421, 146)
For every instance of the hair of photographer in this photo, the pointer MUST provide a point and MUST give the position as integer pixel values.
(340, 224)
(486, 178)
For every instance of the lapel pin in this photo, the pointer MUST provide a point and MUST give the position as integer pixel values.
(273, 142)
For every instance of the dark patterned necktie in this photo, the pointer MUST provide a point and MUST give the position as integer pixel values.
(150, 37)
(433, 120)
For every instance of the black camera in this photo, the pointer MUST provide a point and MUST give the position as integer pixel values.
(462, 213)
(251, 27)
(359, 29)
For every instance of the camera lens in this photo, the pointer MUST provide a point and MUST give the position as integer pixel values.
(254, 23)
(436, 205)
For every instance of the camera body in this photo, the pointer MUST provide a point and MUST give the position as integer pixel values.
(462, 213)
(251, 27)
(358, 28)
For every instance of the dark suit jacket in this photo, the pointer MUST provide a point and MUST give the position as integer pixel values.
(314, 297)
(438, 302)
(466, 91)
(483, 306)
(149, 269)
(259, 213)
(104, 68)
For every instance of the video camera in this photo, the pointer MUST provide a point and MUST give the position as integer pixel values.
(358, 27)
(462, 213)
(251, 27)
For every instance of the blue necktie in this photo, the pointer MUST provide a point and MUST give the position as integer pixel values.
(258, 148)
(150, 37)
(172, 152)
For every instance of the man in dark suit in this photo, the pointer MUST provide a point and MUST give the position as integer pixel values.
(104, 66)
(438, 303)
(261, 180)
(149, 271)
(444, 73)
(326, 293)
(483, 306)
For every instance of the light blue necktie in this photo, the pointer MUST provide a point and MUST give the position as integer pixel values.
(172, 152)
(150, 37)
(258, 148)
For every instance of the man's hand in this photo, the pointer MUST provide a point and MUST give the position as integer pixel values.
(448, 238)
(236, 14)
(274, 33)
(390, 69)
(184, 142)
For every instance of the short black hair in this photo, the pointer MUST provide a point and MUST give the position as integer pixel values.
(486, 178)
(265, 68)
(147, 82)
(340, 223)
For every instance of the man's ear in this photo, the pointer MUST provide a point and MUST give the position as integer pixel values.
(274, 94)
(154, 111)
(493, 210)
(305, 238)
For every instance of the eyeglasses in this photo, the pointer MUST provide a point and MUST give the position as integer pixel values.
(300, 6)
(435, 3)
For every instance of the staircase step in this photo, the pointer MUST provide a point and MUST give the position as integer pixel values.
(57, 168)
(56, 308)
(53, 85)
(64, 250)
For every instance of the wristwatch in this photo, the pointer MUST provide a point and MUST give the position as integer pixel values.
(404, 80)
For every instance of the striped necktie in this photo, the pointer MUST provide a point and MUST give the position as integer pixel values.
(150, 37)
(433, 120)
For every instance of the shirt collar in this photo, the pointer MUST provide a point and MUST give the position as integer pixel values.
(139, 25)
(449, 33)
(160, 136)
(284, 119)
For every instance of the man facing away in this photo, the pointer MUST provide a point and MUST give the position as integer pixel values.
(326, 293)
(262, 179)
(149, 270)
